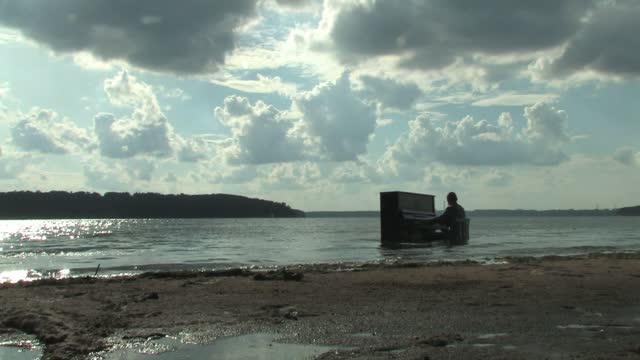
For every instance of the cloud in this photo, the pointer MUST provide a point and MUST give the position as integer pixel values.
(234, 175)
(260, 133)
(170, 178)
(515, 99)
(141, 169)
(41, 130)
(291, 176)
(627, 156)
(354, 173)
(124, 90)
(391, 93)
(435, 34)
(128, 137)
(337, 119)
(193, 149)
(294, 4)
(145, 132)
(12, 166)
(606, 44)
(185, 37)
(172, 93)
(111, 177)
(4, 91)
(262, 85)
(499, 179)
(480, 143)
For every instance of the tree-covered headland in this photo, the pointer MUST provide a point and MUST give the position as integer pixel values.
(78, 205)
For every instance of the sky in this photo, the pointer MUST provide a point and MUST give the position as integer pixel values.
(324, 104)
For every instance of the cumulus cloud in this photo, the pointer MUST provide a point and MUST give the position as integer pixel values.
(354, 172)
(233, 175)
(43, 131)
(141, 169)
(435, 34)
(330, 122)
(337, 119)
(260, 133)
(193, 149)
(105, 177)
(291, 176)
(128, 137)
(12, 166)
(145, 132)
(473, 142)
(4, 94)
(627, 156)
(124, 90)
(390, 92)
(185, 37)
(499, 179)
(607, 43)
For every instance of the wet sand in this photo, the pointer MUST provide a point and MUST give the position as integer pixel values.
(585, 307)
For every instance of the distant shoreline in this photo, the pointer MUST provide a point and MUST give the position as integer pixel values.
(629, 211)
(113, 205)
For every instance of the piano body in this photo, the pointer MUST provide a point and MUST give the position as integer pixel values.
(404, 215)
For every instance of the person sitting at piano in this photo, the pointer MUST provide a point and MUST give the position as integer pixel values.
(452, 213)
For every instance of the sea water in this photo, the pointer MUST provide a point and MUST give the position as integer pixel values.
(31, 249)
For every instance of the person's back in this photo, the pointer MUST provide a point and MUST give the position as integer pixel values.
(453, 213)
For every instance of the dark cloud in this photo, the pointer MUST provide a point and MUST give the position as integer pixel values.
(433, 34)
(389, 92)
(188, 36)
(294, 4)
(608, 43)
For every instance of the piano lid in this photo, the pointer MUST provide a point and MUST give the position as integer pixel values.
(417, 203)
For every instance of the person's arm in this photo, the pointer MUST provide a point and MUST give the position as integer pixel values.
(446, 217)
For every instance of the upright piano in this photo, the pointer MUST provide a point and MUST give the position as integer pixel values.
(404, 219)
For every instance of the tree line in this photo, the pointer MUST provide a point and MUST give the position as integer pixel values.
(629, 211)
(77, 205)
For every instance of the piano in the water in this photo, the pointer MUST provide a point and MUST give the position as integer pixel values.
(404, 219)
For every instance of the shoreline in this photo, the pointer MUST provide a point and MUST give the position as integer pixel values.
(194, 271)
(585, 306)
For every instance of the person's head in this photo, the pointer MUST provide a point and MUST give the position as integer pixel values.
(452, 198)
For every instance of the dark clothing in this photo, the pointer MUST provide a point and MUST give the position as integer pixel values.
(451, 214)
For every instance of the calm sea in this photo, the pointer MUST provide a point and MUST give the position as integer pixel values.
(42, 248)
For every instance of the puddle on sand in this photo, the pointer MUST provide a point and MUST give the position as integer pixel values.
(20, 351)
(580, 327)
(491, 336)
(254, 346)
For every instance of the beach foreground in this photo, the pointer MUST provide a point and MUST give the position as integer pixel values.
(546, 308)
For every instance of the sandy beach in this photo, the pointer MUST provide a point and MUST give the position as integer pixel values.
(584, 307)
